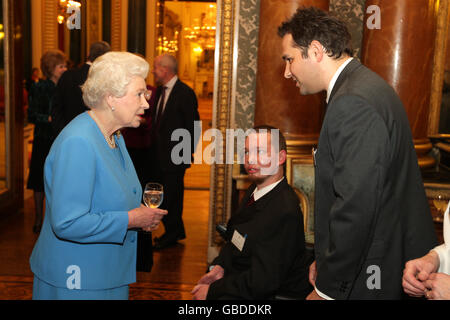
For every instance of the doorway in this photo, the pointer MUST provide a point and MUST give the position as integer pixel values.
(187, 30)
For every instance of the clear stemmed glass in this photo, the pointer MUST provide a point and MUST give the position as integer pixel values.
(153, 194)
(440, 203)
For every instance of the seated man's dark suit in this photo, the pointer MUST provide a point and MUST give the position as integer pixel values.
(273, 260)
(68, 98)
(371, 211)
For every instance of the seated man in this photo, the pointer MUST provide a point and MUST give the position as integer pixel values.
(265, 253)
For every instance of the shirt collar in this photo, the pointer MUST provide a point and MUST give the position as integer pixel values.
(258, 193)
(335, 77)
(169, 85)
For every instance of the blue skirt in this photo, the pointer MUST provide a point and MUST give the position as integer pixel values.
(44, 291)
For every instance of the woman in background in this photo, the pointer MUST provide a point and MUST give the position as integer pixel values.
(53, 65)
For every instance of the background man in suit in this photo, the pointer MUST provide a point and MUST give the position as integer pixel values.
(371, 212)
(176, 108)
(68, 100)
(265, 252)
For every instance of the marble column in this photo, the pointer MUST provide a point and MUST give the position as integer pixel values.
(401, 52)
(278, 101)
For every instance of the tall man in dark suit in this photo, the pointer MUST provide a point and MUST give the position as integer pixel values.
(371, 212)
(265, 254)
(176, 108)
(68, 100)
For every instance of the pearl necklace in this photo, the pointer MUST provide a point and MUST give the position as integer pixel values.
(109, 139)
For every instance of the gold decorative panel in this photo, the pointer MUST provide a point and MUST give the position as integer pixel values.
(223, 114)
(116, 25)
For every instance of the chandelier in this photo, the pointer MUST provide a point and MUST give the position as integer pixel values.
(203, 32)
(65, 9)
(166, 45)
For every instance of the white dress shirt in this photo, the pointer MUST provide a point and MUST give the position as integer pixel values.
(443, 250)
(169, 86)
(336, 76)
(258, 193)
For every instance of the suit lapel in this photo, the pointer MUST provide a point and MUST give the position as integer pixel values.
(246, 213)
(169, 104)
(155, 106)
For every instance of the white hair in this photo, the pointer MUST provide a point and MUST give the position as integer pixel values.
(110, 74)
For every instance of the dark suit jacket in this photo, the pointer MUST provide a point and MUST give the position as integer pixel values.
(274, 260)
(68, 99)
(180, 112)
(370, 207)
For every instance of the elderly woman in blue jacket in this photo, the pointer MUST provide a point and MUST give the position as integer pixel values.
(87, 246)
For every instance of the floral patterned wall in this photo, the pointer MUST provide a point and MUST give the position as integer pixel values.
(247, 63)
(351, 11)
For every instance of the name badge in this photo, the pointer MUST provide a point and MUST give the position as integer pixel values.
(238, 240)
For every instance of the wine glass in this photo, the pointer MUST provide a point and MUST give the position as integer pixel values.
(440, 203)
(153, 194)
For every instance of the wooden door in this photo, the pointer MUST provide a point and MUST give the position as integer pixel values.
(11, 107)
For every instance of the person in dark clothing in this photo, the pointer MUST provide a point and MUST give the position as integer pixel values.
(371, 213)
(53, 65)
(68, 101)
(265, 255)
(176, 109)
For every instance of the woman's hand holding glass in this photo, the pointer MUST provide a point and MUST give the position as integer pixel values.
(148, 219)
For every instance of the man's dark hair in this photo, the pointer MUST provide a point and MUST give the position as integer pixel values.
(268, 129)
(98, 49)
(308, 24)
(264, 128)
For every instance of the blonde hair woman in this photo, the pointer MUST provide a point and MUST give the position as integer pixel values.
(87, 246)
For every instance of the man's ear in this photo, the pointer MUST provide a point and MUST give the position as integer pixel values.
(282, 156)
(316, 50)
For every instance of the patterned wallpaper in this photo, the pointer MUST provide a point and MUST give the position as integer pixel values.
(351, 11)
(247, 63)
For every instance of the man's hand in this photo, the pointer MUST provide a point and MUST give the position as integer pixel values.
(200, 292)
(417, 271)
(215, 274)
(438, 286)
(313, 273)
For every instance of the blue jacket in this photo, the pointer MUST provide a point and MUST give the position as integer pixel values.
(89, 190)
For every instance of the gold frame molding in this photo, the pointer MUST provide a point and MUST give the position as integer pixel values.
(223, 114)
(443, 25)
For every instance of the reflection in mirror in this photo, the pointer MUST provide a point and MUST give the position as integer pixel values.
(3, 181)
(189, 34)
(187, 30)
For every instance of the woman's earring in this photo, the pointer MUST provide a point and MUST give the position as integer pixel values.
(112, 108)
